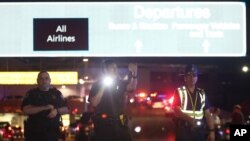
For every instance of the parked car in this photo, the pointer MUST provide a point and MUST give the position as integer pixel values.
(6, 131)
(84, 128)
(62, 133)
(17, 133)
(224, 132)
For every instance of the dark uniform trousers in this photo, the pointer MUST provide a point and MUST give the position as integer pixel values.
(37, 136)
(110, 129)
(36, 132)
(184, 132)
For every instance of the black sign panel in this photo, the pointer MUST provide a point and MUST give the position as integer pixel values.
(239, 132)
(59, 34)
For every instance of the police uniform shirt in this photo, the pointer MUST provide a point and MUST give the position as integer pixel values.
(36, 97)
(113, 99)
(193, 96)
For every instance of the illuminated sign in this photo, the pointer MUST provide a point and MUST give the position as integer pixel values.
(30, 78)
(122, 29)
(60, 34)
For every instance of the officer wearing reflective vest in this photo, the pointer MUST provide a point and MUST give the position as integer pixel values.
(192, 117)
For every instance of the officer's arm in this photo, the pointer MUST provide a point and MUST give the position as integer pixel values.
(60, 111)
(95, 100)
(132, 84)
(209, 119)
(180, 114)
(210, 123)
(133, 77)
(30, 109)
(63, 110)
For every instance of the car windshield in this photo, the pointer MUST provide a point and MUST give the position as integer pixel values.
(4, 124)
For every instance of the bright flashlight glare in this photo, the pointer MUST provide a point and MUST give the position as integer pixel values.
(137, 129)
(108, 81)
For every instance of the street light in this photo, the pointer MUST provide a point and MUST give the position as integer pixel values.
(245, 69)
(85, 59)
(63, 86)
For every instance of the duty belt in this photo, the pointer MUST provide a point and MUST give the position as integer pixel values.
(186, 124)
(121, 118)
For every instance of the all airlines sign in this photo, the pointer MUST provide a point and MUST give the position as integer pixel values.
(60, 34)
(123, 29)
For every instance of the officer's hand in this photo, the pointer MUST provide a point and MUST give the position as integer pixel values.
(133, 68)
(52, 113)
(211, 136)
(49, 107)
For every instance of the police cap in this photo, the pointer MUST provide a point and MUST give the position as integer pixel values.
(191, 69)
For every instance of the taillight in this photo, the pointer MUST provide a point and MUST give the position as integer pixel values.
(77, 128)
(6, 135)
(227, 131)
(142, 95)
(167, 108)
(158, 105)
(87, 129)
(74, 111)
(171, 100)
(104, 116)
(153, 94)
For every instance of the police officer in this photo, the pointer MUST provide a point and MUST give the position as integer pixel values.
(107, 96)
(190, 108)
(44, 106)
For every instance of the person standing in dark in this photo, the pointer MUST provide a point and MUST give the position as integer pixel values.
(217, 122)
(44, 106)
(107, 96)
(192, 116)
(237, 116)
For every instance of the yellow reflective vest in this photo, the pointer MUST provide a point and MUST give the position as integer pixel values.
(184, 97)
